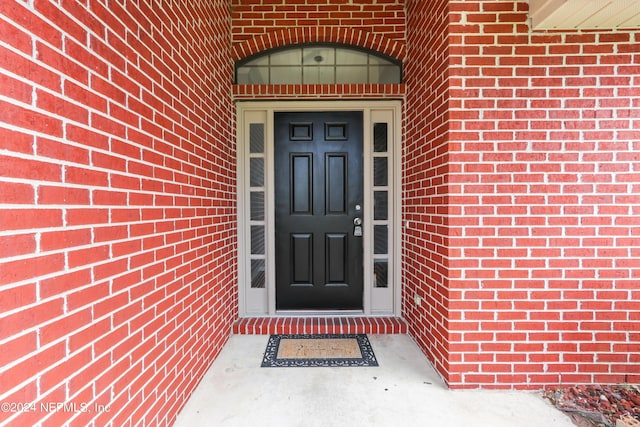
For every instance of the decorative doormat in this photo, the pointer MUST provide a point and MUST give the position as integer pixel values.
(318, 351)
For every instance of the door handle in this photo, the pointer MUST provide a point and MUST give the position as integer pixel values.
(357, 227)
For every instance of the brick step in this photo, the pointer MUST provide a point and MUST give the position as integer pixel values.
(319, 325)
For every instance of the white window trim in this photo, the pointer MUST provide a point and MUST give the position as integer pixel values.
(377, 301)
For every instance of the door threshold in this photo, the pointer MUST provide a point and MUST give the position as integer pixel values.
(319, 325)
(319, 313)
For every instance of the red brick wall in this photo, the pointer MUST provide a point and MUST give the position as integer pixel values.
(425, 177)
(118, 234)
(253, 19)
(544, 193)
(259, 25)
(521, 188)
(521, 182)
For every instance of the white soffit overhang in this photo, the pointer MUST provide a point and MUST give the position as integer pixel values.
(576, 14)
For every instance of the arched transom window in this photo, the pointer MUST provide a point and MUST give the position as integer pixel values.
(318, 64)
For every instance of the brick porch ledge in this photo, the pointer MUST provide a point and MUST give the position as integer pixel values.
(319, 325)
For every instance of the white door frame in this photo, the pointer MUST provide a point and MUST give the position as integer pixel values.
(260, 301)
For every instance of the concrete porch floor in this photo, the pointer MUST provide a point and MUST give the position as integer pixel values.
(403, 391)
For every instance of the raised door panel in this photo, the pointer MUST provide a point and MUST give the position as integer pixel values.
(336, 184)
(301, 259)
(301, 182)
(336, 259)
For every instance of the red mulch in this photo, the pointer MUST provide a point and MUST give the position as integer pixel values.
(596, 405)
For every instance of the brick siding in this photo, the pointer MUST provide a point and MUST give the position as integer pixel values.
(255, 18)
(521, 192)
(118, 233)
(541, 181)
(425, 177)
(259, 25)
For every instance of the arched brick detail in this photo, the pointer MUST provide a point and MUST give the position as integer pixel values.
(350, 36)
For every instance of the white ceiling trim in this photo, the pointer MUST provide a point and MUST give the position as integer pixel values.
(578, 14)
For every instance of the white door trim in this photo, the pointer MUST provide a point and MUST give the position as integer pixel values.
(261, 301)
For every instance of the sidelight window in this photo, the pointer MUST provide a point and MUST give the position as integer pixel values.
(381, 214)
(257, 204)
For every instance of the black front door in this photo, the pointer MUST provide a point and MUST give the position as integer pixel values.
(318, 199)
